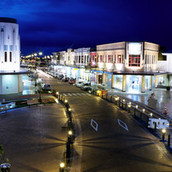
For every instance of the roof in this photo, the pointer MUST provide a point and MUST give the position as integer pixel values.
(7, 20)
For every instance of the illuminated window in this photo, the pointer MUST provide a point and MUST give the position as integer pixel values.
(5, 57)
(110, 58)
(134, 60)
(119, 59)
(10, 56)
(100, 59)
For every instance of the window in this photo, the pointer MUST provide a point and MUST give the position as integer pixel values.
(10, 56)
(5, 47)
(100, 59)
(110, 59)
(134, 60)
(119, 59)
(11, 47)
(79, 59)
(114, 58)
(5, 57)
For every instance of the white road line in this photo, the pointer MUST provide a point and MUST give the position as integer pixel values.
(74, 94)
(83, 94)
(122, 124)
(64, 94)
(88, 94)
(78, 94)
(69, 94)
(94, 125)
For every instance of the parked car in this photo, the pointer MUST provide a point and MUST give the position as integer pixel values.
(60, 76)
(85, 86)
(96, 89)
(72, 81)
(79, 83)
(65, 79)
(46, 87)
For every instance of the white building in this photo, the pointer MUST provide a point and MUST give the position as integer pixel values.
(165, 63)
(82, 56)
(9, 45)
(11, 78)
(69, 57)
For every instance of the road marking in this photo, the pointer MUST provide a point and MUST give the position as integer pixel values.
(94, 124)
(74, 94)
(88, 94)
(122, 124)
(69, 94)
(78, 94)
(64, 94)
(83, 94)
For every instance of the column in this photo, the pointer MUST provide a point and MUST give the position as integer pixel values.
(124, 83)
(150, 83)
(143, 84)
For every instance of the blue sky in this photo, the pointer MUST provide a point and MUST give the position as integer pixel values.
(53, 25)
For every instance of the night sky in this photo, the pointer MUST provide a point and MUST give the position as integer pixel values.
(54, 25)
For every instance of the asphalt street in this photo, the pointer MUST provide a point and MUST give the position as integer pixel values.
(33, 138)
(111, 139)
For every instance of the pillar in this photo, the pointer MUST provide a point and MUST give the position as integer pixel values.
(143, 84)
(124, 83)
(150, 83)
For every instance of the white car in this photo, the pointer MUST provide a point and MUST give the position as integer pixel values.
(79, 83)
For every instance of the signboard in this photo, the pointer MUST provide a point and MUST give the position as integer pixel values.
(160, 123)
(135, 48)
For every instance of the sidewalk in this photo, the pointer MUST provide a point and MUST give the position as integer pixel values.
(164, 99)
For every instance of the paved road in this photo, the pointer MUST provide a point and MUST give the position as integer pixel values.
(33, 138)
(120, 144)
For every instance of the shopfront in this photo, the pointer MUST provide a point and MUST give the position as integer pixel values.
(133, 83)
(117, 81)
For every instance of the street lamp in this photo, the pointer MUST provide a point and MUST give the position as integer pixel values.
(62, 165)
(40, 53)
(163, 134)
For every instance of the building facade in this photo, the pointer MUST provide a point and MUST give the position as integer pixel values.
(82, 56)
(9, 45)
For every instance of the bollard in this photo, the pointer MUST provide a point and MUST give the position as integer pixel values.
(155, 126)
(68, 152)
(169, 140)
(62, 166)
(165, 111)
(163, 134)
(129, 106)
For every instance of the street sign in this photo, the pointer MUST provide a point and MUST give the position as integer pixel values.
(160, 123)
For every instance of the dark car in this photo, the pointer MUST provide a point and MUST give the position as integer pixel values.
(46, 87)
(60, 76)
(65, 79)
(72, 81)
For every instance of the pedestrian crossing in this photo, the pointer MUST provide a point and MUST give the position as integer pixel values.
(75, 94)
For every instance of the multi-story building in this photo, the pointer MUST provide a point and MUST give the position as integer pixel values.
(134, 63)
(164, 67)
(93, 56)
(10, 45)
(82, 56)
(70, 57)
(11, 77)
(56, 58)
(128, 56)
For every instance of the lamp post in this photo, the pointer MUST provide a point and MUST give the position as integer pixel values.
(163, 134)
(62, 166)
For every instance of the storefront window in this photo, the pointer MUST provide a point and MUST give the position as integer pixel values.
(147, 82)
(117, 81)
(133, 83)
